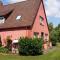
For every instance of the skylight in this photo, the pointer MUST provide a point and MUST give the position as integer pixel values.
(18, 17)
(2, 20)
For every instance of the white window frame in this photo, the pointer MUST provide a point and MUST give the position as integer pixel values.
(18, 17)
(41, 20)
(2, 19)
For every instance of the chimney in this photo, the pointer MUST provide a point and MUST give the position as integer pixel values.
(1, 4)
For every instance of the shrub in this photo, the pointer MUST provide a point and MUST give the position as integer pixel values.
(54, 37)
(58, 35)
(9, 43)
(3, 50)
(28, 46)
(0, 42)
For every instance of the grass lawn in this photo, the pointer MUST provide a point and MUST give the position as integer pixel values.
(54, 54)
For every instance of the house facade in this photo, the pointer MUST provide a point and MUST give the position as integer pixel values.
(24, 19)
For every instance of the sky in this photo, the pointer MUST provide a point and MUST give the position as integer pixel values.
(52, 8)
(53, 11)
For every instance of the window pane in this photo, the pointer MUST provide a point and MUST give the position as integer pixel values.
(41, 20)
(2, 19)
(18, 17)
(36, 34)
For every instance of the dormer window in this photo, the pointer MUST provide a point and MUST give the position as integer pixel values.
(2, 19)
(41, 20)
(18, 17)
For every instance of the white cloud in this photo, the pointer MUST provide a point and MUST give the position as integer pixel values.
(15, 1)
(53, 8)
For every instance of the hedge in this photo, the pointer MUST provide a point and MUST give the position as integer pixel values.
(29, 46)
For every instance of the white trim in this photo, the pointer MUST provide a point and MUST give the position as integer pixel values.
(18, 17)
(2, 20)
(15, 41)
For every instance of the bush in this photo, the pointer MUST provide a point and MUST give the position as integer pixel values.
(58, 35)
(9, 43)
(3, 50)
(54, 37)
(28, 46)
(0, 42)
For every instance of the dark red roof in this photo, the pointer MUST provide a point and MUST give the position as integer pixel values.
(27, 9)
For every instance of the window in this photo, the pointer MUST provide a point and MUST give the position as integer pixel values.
(46, 37)
(18, 17)
(46, 34)
(2, 19)
(36, 34)
(42, 35)
(41, 20)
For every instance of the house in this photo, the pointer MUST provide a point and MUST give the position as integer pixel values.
(24, 19)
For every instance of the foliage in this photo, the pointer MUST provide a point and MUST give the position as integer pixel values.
(50, 26)
(58, 26)
(54, 34)
(0, 42)
(58, 32)
(59, 35)
(3, 50)
(9, 43)
(53, 54)
(54, 37)
(28, 46)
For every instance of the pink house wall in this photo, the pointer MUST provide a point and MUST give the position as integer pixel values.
(14, 34)
(39, 28)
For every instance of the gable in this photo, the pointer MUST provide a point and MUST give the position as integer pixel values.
(37, 27)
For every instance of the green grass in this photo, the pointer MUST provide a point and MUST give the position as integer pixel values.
(54, 54)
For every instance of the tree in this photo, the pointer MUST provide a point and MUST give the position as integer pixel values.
(50, 26)
(58, 32)
(59, 35)
(54, 34)
(59, 26)
(54, 37)
(0, 42)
